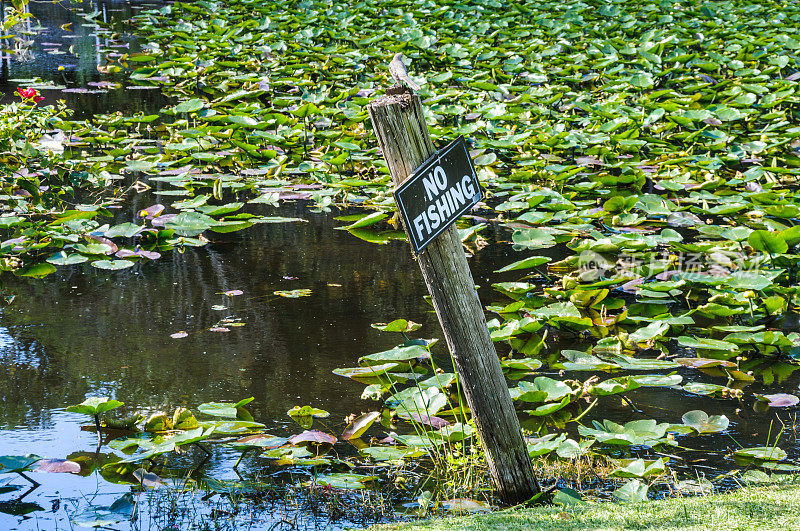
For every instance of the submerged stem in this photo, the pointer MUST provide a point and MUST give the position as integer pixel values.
(241, 456)
(33, 482)
(97, 425)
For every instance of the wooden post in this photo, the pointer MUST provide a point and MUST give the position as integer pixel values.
(403, 137)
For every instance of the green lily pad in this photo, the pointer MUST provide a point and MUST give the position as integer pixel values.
(640, 468)
(633, 491)
(17, 463)
(305, 415)
(95, 406)
(343, 480)
(763, 453)
(702, 423)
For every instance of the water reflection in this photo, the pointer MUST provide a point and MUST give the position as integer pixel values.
(69, 48)
(86, 330)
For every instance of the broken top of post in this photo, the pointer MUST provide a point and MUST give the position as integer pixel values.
(410, 144)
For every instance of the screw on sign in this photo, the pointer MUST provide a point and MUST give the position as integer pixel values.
(438, 192)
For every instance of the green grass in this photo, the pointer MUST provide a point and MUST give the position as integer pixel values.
(761, 508)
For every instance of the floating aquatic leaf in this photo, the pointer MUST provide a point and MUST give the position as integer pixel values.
(263, 441)
(637, 432)
(632, 492)
(58, 466)
(232, 292)
(706, 343)
(305, 415)
(639, 468)
(366, 221)
(190, 223)
(542, 389)
(403, 353)
(183, 419)
(95, 406)
(543, 445)
(779, 400)
(567, 497)
(398, 325)
(667, 380)
(703, 363)
(192, 105)
(614, 386)
(571, 449)
(427, 420)
(314, 437)
(375, 373)
(769, 242)
(17, 463)
(392, 453)
(293, 294)
(37, 270)
(342, 480)
(224, 428)
(148, 479)
(526, 263)
(764, 453)
(158, 421)
(227, 409)
(101, 516)
(422, 402)
(113, 265)
(359, 425)
(525, 364)
(702, 423)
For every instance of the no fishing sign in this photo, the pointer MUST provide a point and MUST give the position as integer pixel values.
(438, 193)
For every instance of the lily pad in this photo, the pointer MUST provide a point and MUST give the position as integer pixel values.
(343, 480)
(702, 423)
(95, 406)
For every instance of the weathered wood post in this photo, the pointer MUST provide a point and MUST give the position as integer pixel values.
(403, 137)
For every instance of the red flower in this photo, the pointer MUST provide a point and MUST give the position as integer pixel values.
(29, 94)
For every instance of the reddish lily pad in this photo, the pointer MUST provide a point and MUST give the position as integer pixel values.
(312, 438)
(58, 466)
(152, 211)
(233, 292)
(780, 400)
(703, 363)
(432, 421)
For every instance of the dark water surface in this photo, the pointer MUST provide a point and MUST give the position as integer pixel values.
(67, 47)
(85, 332)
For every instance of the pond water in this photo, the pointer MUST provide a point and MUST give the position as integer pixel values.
(66, 48)
(86, 332)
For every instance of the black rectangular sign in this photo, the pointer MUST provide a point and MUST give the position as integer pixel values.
(437, 193)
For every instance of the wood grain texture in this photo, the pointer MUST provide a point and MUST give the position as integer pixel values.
(404, 140)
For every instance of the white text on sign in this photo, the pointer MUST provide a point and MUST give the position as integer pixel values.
(444, 201)
(439, 191)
